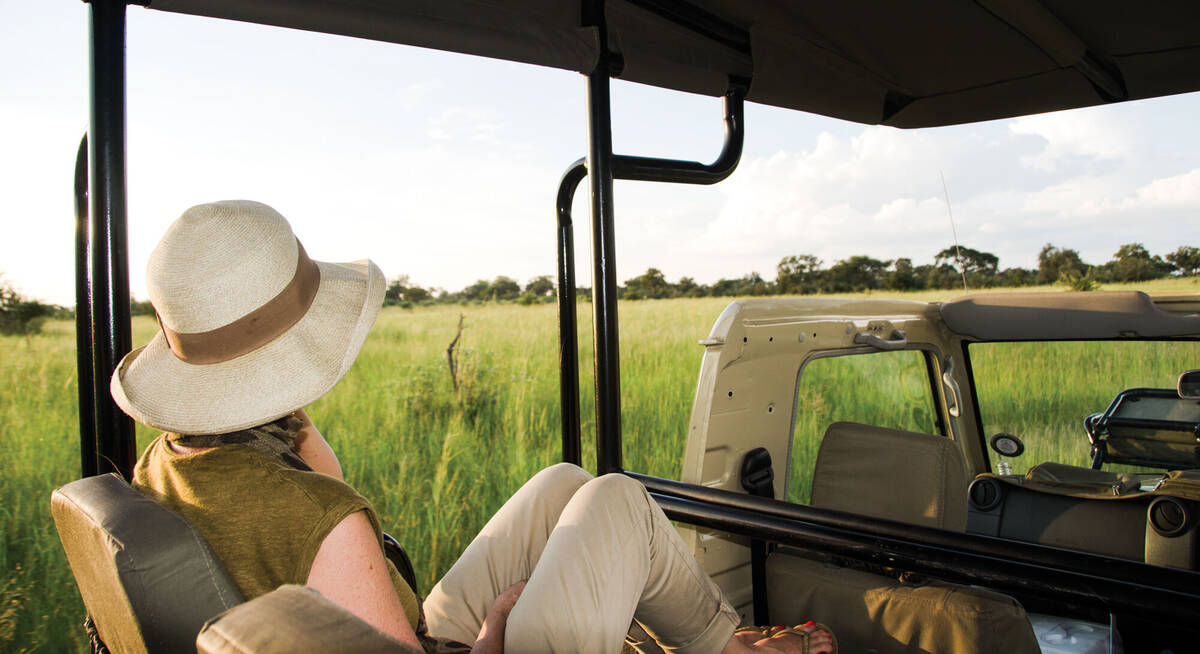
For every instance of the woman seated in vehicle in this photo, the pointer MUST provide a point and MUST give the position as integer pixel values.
(252, 331)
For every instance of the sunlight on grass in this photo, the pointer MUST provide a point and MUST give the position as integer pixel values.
(436, 462)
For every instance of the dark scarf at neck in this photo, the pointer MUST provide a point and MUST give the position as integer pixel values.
(276, 438)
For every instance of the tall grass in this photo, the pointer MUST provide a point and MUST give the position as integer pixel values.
(437, 462)
(1045, 396)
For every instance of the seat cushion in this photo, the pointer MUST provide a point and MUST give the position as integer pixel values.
(893, 474)
(147, 577)
(874, 613)
(294, 620)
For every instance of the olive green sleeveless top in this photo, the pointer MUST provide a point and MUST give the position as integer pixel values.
(264, 519)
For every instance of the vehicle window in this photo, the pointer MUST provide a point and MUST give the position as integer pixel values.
(887, 389)
(1041, 392)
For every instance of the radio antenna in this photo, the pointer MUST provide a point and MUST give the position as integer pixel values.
(957, 250)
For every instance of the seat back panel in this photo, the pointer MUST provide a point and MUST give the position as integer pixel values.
(147, 577)
(893, 474)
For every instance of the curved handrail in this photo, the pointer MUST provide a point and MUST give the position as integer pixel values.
(635, 168)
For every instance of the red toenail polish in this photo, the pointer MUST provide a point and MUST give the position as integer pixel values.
(809, 623)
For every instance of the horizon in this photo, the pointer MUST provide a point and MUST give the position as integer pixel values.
(443, 167)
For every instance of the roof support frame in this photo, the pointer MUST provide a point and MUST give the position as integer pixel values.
(604, 285)
(105, 295)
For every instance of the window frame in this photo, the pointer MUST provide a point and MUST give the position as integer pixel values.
(931, 355)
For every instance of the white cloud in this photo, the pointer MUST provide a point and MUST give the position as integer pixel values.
(1083, 134)
(1178, 191)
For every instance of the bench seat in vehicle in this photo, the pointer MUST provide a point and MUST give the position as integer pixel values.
(897, 475)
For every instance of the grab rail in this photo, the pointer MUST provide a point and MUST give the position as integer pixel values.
(627, 167)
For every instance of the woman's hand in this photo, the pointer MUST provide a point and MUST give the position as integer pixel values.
(311, 447)
(491, 636)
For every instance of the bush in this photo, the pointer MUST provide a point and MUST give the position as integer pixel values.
(21, 316)
(1078, 281)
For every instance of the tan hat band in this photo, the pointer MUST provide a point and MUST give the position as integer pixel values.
(256, 328)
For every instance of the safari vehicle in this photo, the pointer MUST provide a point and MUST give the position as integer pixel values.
(902, 530)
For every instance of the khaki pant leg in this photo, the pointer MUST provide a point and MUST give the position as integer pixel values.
(612, 558)
(504, 552)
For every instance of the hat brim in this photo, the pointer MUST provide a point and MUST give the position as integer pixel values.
(156, 388)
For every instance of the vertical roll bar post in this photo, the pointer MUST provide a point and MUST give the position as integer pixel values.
(83, 319)
(568, 344)
(109, 283)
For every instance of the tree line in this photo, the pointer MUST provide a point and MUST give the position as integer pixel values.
(805, 274)
(801, 274)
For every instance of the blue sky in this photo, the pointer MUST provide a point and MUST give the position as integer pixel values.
(444, 167)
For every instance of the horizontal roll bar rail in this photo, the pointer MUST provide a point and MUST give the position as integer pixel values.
(1100, 582)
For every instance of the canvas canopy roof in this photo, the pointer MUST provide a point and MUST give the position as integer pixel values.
(906, 63)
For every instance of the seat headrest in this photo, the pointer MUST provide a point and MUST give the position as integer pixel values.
(148, 578)
(893, 474)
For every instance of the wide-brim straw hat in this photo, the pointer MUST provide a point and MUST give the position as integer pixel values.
(251, 328)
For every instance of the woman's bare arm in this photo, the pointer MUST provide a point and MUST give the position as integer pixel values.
(350, 571)
(311, 447)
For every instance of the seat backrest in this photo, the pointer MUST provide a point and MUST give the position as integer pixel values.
(889, 473)
(294, 620)
(909, 477)
(148, 578)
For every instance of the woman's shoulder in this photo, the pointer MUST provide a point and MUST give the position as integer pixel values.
(318, 487)
(237, 475)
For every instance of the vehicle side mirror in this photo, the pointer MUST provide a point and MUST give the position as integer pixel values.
(1189, 385)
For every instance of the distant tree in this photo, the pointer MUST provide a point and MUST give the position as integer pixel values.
(1054, 262)
(503, 288)
(650, 285)
(724, 287)
(19, 315)
(402, 291)
(980, 267)
(395, 290)
(901, 276)
(1186, 259)
(754, 284)
(140, 307)
(1013, 277)
(943, 276)
(477, 291)
(417, 294)
(1132, 262)
(687, 287)
(798, 274)
(858, 273)
(540, 286)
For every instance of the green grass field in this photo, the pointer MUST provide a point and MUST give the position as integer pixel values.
(437, 463)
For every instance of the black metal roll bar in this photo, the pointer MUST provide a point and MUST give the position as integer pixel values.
(604, 285)
(83, 319)
(109, 281)
(1106, 583)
